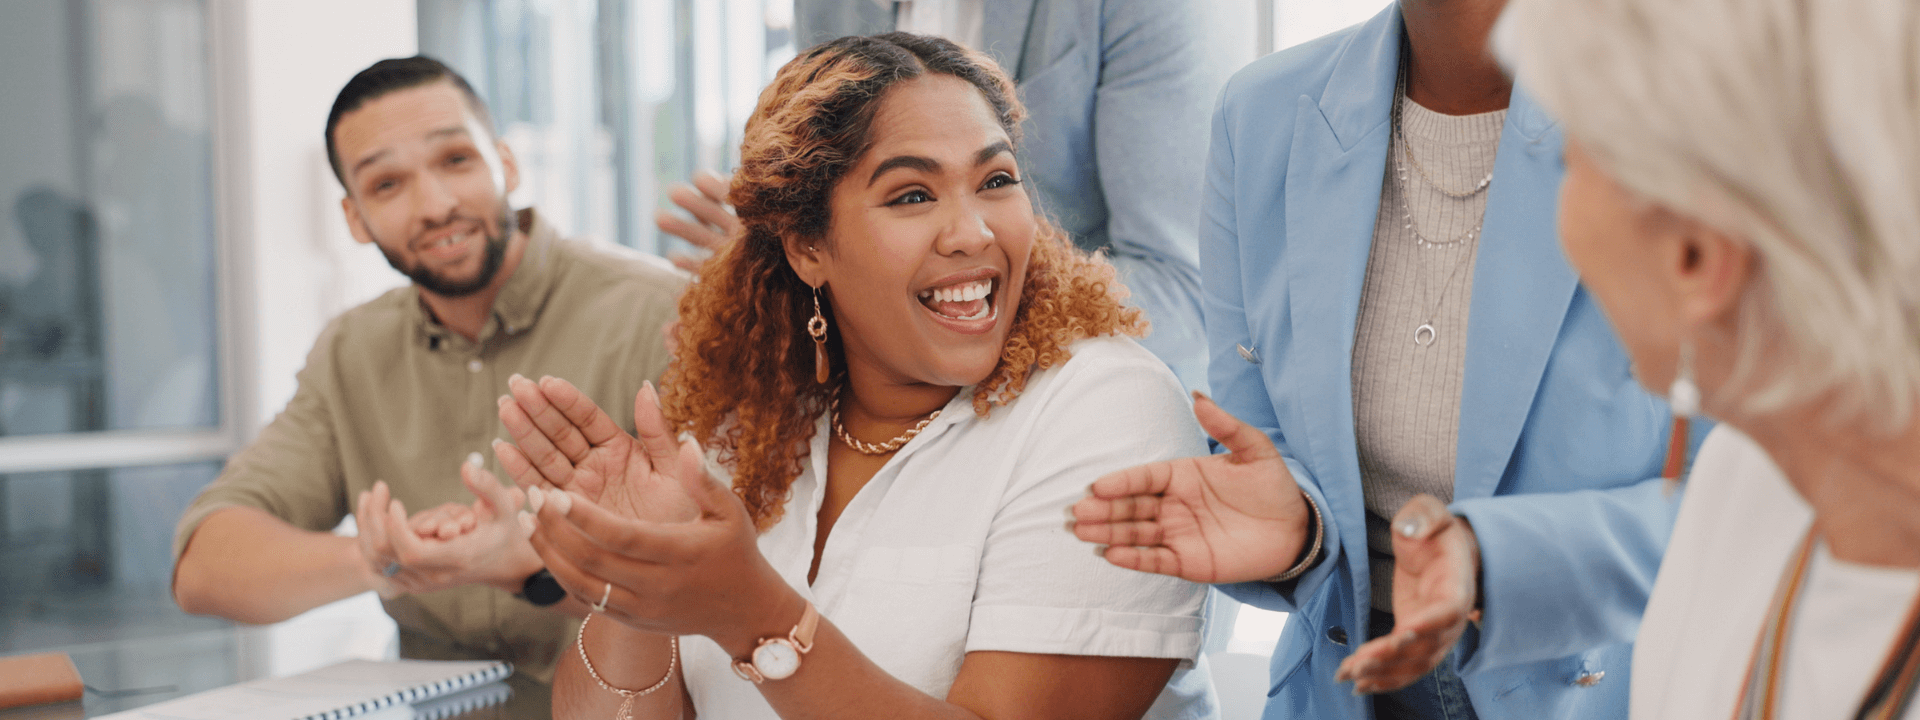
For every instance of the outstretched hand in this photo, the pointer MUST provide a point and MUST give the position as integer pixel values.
(1435, 587)
(1214, 519)
(563, 441)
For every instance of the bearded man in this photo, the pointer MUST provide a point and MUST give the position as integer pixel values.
(399, 395)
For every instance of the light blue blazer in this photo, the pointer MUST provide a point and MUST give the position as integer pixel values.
(1558, 443)
(1117, 93)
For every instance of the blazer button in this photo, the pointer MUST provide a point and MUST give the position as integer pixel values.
(1590, 679)
(1338, 635)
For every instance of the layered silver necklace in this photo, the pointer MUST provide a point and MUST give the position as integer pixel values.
(1425, 335)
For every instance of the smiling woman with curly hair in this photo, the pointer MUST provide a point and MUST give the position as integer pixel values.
(745, 358)
(906, 375)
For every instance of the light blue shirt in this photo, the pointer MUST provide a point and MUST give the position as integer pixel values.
(1117, 93)
(1559, 447)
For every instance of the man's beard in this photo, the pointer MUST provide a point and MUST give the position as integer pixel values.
(496, 253)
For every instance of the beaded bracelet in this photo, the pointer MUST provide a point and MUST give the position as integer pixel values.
(627, 696)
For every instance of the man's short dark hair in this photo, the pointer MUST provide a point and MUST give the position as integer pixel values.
(390, 75)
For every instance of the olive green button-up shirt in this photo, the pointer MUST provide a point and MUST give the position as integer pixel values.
(390, 394)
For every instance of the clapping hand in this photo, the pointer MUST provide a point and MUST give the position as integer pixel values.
(637, 521)
(445, 522)
(1212, 519)
(1435, 588)
(563, 441)
(490, 546)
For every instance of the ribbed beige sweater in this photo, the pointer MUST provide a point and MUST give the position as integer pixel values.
(1406, 397)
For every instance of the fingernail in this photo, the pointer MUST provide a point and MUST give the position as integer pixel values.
(563, 501)
(502, 402)
(1198, 396)
(474, 459)
(648, 384)
(1100, 551)
(1411, 528)
(536, 499)
(526, 520)
(515, 378)
(1069, 525)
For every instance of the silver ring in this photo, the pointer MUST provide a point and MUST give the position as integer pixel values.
(392, 569)
(601, 606)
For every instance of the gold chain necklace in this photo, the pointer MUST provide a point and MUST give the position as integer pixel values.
(865, 448)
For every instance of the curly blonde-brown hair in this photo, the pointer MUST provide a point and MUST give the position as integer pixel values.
(744, 383)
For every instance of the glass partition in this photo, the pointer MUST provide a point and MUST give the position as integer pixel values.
(107, 252)
(606, 103)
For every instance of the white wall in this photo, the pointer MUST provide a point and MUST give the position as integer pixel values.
(297, 264)
(1297, 21)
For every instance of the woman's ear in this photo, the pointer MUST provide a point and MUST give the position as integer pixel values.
(810, 261)
(1711, 270)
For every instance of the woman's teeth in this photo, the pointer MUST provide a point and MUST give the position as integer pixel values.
(959, 293)
(961, 302)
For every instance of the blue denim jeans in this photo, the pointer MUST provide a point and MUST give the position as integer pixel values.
(1439, 695)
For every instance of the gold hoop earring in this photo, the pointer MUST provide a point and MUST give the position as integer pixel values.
(817, 327)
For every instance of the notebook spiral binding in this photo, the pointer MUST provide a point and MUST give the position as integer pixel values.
(497, 671)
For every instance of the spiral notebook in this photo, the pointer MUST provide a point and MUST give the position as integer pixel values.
(352, 689)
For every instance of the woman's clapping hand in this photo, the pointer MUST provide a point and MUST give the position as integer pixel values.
(561, 440)
(637, 520)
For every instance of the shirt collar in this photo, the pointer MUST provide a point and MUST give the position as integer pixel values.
(520, 300)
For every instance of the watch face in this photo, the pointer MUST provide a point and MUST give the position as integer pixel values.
(776, 659)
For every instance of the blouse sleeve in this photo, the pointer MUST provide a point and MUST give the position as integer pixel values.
(1042, 590)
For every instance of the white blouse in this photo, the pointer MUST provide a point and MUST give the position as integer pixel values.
(1738, 528)
(959, 542)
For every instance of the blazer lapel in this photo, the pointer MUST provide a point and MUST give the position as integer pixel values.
(1006, 34)
(1522, 288)
(1334, 174)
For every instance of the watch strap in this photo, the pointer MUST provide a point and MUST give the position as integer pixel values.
(802, 634)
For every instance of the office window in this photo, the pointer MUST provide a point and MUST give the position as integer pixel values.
(107, 264)
(111, 362)
(608, 102)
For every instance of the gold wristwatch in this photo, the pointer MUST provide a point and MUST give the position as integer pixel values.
(777, 658)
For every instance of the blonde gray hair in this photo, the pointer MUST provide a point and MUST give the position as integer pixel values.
(1793, 125)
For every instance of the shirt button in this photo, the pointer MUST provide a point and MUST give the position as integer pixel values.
(473, 365)
(1590, 679)
(1338, 635)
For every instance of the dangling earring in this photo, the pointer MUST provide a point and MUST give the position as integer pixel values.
(817, 327)
(1684, 397)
